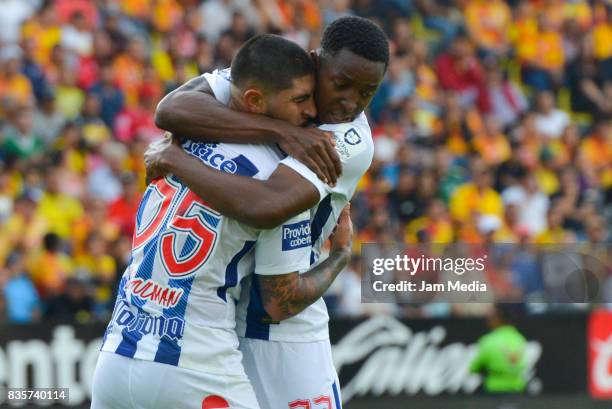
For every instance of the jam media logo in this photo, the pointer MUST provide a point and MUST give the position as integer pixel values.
(296, 235)
(352, 137)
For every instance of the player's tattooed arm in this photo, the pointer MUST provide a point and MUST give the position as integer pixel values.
(287, 295)
(191, 111)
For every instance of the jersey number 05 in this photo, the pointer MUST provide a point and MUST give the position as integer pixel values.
(181, 223)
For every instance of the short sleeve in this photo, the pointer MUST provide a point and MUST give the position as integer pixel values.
(355, 149)
(284, 249)
(220, 82)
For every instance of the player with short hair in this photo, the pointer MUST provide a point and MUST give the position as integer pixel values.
(171, 342)
(289, 363)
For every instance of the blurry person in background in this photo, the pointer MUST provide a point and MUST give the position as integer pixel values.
(491, 144)
(525, 269)
(105, 181)
(48, 122)
(349, 304)
(587, 83)
(56, 207)
(596, 151)
(32, 69)
(550, 120)
(76, 36)
(544, 57)
(531, 202)
(122, 210)
(554, 233)
(138, 121)
(477, 196)
(15, 88)
(403, 200)
(111, 96)
(602, 45)
(435, 224)
(487, 23)
(95, 131)
(99, 267)
(20, 140)
(500, 357)
(50, 267)
(507, 101)
(22, 301)
(75, 303)
(23, 228)
(459, 70)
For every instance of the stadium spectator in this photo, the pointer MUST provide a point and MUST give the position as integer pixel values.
(459, 70)
(349, 304)
(58, 209)
(507, 101)
(76, 36)
(587, 83)
(22, 301)
(532, 204)
(20, 141)
(50, 267)
(15, 88)
(33, 70)
(477, 197)
(47, 121)
(111, 97)
(487, 23)
(550, 121)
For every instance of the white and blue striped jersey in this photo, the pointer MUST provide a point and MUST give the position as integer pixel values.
(356, 149)
(177, 298)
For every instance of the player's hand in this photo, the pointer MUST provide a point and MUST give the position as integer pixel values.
(158, 155)
(314, 148)
(343, 233)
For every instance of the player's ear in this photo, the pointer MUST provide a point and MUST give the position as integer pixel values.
(254, 101)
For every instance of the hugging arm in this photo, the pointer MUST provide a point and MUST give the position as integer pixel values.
(258, 203)
(193, 112)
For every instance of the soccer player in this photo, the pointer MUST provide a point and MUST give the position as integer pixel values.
(171, 342)
(289, 363)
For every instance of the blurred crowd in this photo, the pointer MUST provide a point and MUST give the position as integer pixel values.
(493, 125)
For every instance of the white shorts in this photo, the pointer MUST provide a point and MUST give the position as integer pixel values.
(291, 375)
(125, 383)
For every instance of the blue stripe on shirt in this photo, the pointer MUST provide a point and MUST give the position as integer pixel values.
(318, 222)
(231, 272)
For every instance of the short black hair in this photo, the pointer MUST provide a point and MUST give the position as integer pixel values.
(358, 35)
(271, 62)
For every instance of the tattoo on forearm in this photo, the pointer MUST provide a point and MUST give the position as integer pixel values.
(292, 293)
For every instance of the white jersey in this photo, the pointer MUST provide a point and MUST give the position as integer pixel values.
(356, 149)
(177, 298)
